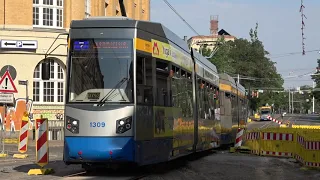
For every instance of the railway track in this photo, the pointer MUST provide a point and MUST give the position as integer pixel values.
(106, 175)
(137, 172)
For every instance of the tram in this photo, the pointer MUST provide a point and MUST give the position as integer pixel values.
(136, 94)
(233, 108)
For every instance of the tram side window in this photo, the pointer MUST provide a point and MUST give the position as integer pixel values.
(175, 86)
(216, 101)
(163, 84)
(190, 95)
(200, 98)
(184, 93)
(184, 85)
(222, 99)
(204, 104)
(211, 100)
(144, 80)
(230, 104)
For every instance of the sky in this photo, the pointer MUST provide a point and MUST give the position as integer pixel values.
(279, 28)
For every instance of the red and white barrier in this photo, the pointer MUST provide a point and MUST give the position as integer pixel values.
(312, 164)
(253, 135)
(274, 120)
(42, 154)
(239, 137)
(281, 154)
(308, 145)
(312, 145)
(23, 137)
(299, 158)
(277, 136)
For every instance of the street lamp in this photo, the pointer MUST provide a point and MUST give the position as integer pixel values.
(313, 85)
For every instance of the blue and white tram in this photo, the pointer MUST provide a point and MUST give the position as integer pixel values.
(135, 94)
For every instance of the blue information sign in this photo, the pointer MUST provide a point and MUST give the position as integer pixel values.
(81, 45)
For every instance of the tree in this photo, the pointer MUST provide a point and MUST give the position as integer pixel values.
(247, 58)
(316, 78)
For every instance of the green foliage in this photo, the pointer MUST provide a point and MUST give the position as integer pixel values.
(303, 100)
(248, 58)
(316, 78)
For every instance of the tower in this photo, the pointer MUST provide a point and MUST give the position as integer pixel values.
(214, 22)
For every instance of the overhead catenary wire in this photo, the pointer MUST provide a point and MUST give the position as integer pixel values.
(269, 79)
(201, 36)
(172, 8)
(270, 55)
(295, 69)
(289, 54)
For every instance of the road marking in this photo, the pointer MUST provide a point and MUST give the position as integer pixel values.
(265, 125)
(268, 124)
(75, 174)
(272, 123)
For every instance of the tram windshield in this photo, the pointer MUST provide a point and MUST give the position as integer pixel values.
(101, 70)
(265, 111)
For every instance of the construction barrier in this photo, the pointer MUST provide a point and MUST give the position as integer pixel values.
(239, 137)
(274, 120)
(275, 143)
(309, 142)
(23, 137)
(253, 141)
(298, 143)
(306, 126)
(42, 148)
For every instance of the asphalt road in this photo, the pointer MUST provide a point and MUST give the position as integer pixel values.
(267, 124)
(219, 165)
(296, 119)
(305, 119)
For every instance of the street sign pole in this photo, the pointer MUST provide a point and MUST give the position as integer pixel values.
(25, 83)
(4, 98)
(27, 95)
(4, 128)
(7, 88)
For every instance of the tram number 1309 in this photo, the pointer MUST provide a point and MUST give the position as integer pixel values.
(97, 124)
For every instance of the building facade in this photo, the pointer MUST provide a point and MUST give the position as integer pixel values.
(27, 30)
(198, 42)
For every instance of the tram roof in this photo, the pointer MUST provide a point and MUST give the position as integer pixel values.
(227, 79)
(147, 26)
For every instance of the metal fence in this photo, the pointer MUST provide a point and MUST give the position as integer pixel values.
(55, 132)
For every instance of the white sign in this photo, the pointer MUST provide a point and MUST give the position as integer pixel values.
(6, 98)
(7, 84)
(17, 44)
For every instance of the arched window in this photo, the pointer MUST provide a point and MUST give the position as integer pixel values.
(49, 91)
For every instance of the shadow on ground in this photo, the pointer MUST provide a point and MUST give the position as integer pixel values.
(62, 170)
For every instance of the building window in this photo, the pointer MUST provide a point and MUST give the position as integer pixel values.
(49, 91)
(35, 16)
(48, 13)
(36, 91)
(87, 8)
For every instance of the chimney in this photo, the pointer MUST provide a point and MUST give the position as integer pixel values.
(214, 24)
(185, 38)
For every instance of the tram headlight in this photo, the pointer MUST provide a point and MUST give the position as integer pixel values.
(123, 125)
(121, 122)
(72, 125)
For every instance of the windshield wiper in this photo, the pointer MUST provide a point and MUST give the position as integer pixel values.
(105, 98)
